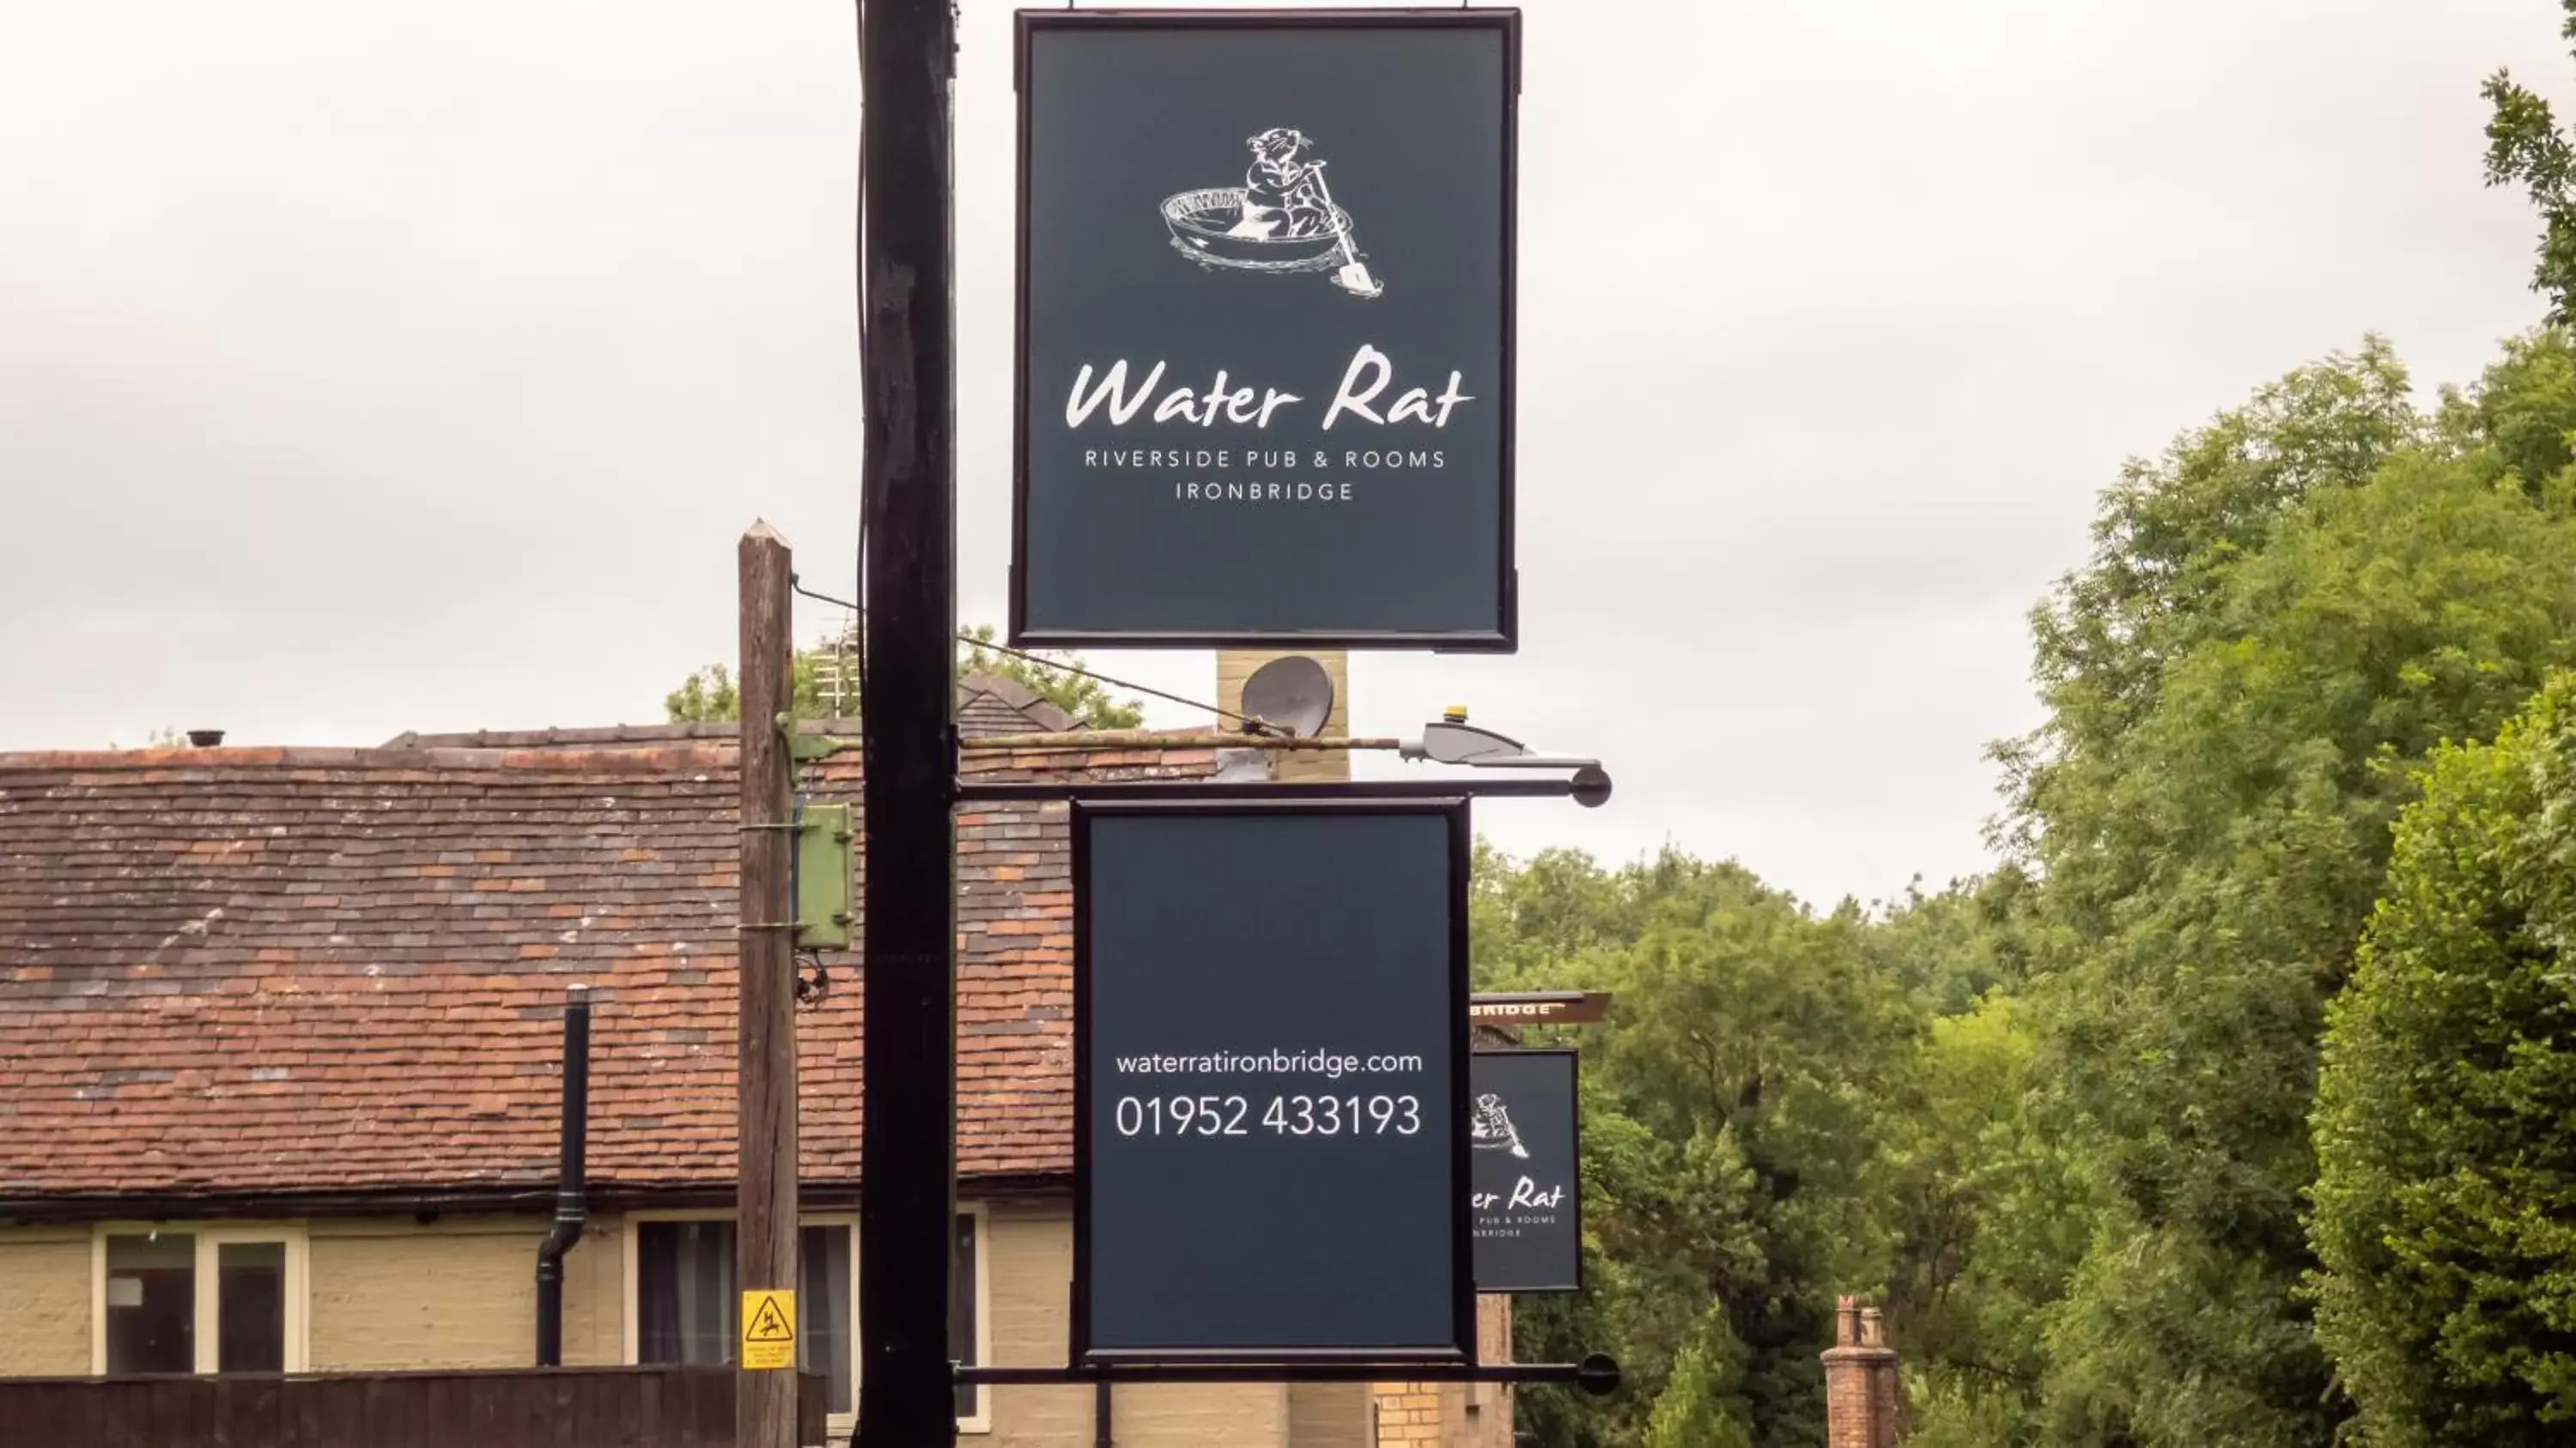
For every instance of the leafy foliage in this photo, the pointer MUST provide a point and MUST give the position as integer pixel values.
(1784, 1105)
(2057, 1118)
(2284, 616)
(2073, 1121)
(2446, 1111)
(826, 684)
(2525, 145)
(1732, 1135)
(1989, 1217)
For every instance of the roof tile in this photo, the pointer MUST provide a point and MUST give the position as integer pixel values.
(284, 970)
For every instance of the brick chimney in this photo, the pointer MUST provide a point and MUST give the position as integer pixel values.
(1860, 1380)
(1233, 666)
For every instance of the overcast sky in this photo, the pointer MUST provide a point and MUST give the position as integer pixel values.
(416, 364)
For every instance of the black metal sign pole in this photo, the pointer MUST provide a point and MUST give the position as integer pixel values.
(907, 52)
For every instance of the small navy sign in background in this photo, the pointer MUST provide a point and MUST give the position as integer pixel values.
(1270, 1005)
(1528, 1181)
(1265, 308)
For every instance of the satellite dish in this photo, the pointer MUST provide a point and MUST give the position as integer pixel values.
(1291, 692)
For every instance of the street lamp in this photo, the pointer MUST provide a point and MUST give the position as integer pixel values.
(1452, 740)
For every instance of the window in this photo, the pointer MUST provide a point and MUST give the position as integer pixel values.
(250, 1307)
(687, 1307)
(196, 1299)
(152, 1304)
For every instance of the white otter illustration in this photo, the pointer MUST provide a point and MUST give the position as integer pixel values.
(1491, 1128)
(1280, 220)
(1283, 193)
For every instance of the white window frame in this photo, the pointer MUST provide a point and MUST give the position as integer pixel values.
(981, 1421)
(839, 1424)
(205, 1334)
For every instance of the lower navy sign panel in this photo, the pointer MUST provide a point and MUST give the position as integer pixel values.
(1272, 1004)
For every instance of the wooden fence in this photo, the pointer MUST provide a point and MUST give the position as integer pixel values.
(649, 1407)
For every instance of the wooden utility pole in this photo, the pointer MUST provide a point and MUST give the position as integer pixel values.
(907, 705)
(764, 1414)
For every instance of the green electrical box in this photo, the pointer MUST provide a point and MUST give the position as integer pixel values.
(823, 868)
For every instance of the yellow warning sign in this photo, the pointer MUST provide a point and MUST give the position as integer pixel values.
(769, 1329)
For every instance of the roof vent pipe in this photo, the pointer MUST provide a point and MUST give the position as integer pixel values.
(572, 1197)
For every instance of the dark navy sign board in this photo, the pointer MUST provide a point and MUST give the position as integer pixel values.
(1270, 1072)
(1265, 309)
(1526, 1146)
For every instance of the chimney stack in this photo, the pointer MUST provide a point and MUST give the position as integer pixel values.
(1860, 1380)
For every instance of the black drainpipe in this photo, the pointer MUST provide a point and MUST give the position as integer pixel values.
(572, 1200)
(1100, 1435)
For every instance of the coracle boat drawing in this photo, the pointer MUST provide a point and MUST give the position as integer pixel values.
(1203, 225)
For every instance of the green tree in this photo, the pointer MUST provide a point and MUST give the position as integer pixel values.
(1699, 1406)
(2526, 146)
(1987, 1217)
(826, 683)
(1733, 1116)
(2283, 616)
(2446, 1112)
(1951, 950)
(1989, 1226)
(1540, 924)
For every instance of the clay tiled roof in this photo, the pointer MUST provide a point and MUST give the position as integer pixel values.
(999, 704)
(265, 971)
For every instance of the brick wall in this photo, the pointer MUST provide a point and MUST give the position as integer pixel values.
(1409, 1413)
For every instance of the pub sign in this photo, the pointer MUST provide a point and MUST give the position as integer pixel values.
(1271, 1157)
(1523, 1128)
(1264, 386)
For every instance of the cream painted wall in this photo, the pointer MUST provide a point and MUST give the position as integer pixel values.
(1032, 1256)
(385, 1293)
(44, 1302)
(1233, 666)
(1032, 1250)
(1332, 1415)
(391, 1293)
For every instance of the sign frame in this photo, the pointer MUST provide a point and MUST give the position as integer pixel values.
(1574, 1068)
(1460, 1351)
(1504, 638)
